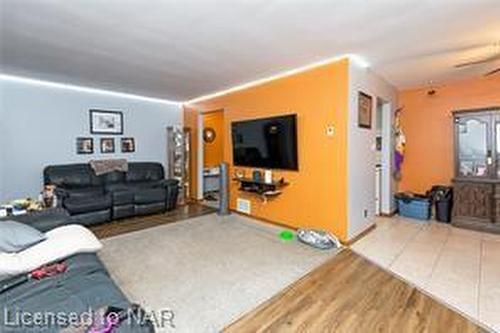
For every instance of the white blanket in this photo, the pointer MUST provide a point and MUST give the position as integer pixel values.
(61, 243)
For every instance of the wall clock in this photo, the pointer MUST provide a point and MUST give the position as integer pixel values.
(208, 134)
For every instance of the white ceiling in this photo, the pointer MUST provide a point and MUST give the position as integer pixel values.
(185, 48)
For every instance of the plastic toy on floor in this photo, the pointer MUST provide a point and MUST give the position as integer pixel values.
(286, 235)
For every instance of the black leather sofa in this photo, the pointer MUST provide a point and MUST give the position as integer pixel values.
(92, 199)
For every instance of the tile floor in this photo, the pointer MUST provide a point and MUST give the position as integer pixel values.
(457, 266)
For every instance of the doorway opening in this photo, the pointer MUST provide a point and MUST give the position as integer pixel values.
(210, 156)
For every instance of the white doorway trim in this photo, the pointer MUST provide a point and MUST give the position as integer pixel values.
(387, 181)
(199, 154)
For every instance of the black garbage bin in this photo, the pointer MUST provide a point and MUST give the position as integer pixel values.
(442, 197)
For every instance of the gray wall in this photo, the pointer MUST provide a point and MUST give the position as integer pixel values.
(39, 126)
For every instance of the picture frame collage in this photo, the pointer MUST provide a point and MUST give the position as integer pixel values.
(105, 122)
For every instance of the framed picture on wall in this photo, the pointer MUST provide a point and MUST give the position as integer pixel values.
(106, 122)
(107, 145)
(365, 104)
(128, 145)
(84, 145)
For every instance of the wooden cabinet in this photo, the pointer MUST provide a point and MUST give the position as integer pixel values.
(476, 205)
(477, 163)
(474, 200)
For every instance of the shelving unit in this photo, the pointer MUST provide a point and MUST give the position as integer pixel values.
(262, 189)
(178, 159)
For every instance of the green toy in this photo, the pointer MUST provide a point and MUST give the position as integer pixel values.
(286, 235)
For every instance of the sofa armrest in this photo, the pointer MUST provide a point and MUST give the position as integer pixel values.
(166, 183)
(170, 182)
(61, 193)
(172, 189)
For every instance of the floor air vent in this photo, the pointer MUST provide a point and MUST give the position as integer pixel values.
(243, 206)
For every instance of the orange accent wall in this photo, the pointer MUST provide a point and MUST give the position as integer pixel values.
(213, 153)
(317, 194)
(428, 126)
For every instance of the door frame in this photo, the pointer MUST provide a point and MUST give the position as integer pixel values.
(387, 183)
(201, 150)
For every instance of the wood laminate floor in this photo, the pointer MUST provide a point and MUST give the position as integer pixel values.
(119, 227)
(350, 294)
(458, 267)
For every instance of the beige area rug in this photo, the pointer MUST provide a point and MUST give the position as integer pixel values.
(209, 270)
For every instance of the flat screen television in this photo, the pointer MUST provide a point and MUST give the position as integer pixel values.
(269, 143)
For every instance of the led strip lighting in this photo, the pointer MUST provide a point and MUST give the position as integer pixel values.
(72, 87)
(355, 58)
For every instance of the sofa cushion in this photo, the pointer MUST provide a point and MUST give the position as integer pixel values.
(80, 205)
(69, 176)
(122, 197)
(16, 236)
(146, 196)
(151, 208)
(44, 220)
(146, 184)
(133, 186)
(120, 212)
(115, 187)
(91, 218)
(85, 192)
(112, 177)
(144, 171)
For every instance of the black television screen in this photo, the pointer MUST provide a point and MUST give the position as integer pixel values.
(266, 143)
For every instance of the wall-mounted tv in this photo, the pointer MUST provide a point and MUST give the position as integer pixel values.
(269, 143)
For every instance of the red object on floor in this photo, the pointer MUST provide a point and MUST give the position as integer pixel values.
(48, 270)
